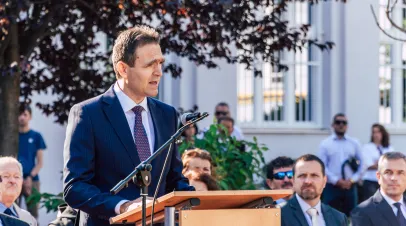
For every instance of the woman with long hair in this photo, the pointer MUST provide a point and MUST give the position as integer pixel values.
(378, 145)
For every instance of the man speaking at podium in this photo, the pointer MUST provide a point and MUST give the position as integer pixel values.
(109, 135)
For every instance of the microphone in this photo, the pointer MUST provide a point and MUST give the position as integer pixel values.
(189, 117)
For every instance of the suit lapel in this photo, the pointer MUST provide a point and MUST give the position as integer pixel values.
(328, 217)
(384, 208)
(297, 211)
(157, 119)
(115, 114)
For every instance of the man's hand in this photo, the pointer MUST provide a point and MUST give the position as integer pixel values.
(134, 204)
(27, 186)
(344, 184)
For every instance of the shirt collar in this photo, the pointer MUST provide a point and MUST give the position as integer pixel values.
(3, 208)
(335, 137)
(126, 102)
(305, 206)
(390, 200)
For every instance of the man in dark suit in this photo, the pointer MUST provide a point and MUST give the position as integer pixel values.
(305, 207)
(387, 206)
(109, 135)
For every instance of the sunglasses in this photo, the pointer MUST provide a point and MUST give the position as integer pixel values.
(221, 112)
(340, 122)
(282, 175)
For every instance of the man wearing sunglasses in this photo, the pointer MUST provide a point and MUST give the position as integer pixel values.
(279, 175)
(336, 151)
(223, 110)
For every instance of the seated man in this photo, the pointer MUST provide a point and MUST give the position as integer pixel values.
(11, 173)
(279, 175)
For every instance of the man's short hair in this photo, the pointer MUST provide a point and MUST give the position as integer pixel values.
(222, 104)
(25, 107)
(393, 155)
(338, 115)
(309, 158)
(195, 153)
(225, 118)
(127, 43)
(279, 162)
(9, 159)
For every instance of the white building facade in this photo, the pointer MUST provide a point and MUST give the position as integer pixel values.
(363, 76)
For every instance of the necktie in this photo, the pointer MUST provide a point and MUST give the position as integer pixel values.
(8, 212)
(401, 219)
(140, 136)
(313, 215)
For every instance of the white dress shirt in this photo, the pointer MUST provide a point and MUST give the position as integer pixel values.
(391, 202)
(128, 104)
(304, 206)
(334, 152)
(370, 155)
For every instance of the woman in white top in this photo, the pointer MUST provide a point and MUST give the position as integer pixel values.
(371, 152)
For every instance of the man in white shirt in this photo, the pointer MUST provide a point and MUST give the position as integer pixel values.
(387, 206)
(305, 208)
(222, 110)
(336, 151)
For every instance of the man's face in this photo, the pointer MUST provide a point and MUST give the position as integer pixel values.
(340, 125)
(309, 181)
(229, 126)
(143, 79)
(392, 176)
(222, 111)
(281, 179)
(199, 165)
(12, 180)
(24, 118)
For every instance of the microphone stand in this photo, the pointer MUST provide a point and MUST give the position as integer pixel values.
(141, 175)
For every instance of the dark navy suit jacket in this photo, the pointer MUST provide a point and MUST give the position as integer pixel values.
(99, 151)
(374, 211)
(292, 215)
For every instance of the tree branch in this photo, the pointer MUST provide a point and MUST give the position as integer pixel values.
(390, 19)
(30, 40)
(380, 28)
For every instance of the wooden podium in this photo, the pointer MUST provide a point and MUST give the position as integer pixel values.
(214, 208)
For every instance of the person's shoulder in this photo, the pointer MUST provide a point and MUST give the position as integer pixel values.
(335, 212)
(326, 141)
(27, 217)
(161, 105)
(352, 139)
(364, 206)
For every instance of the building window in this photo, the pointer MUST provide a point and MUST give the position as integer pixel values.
(392, 67)
(285, 98)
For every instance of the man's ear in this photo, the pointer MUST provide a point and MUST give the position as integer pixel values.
(269, 183)
(122, 69)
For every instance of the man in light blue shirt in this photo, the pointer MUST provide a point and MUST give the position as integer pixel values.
(336, 152)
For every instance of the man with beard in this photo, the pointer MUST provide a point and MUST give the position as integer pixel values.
(279, 175)
(388, 205)
(336, 152)
(305, 208)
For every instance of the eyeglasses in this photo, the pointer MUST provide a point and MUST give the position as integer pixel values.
(340, 122)
(282, 175)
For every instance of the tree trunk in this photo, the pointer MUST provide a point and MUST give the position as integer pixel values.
(9, 97)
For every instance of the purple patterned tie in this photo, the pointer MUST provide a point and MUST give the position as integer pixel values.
(140, 136)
